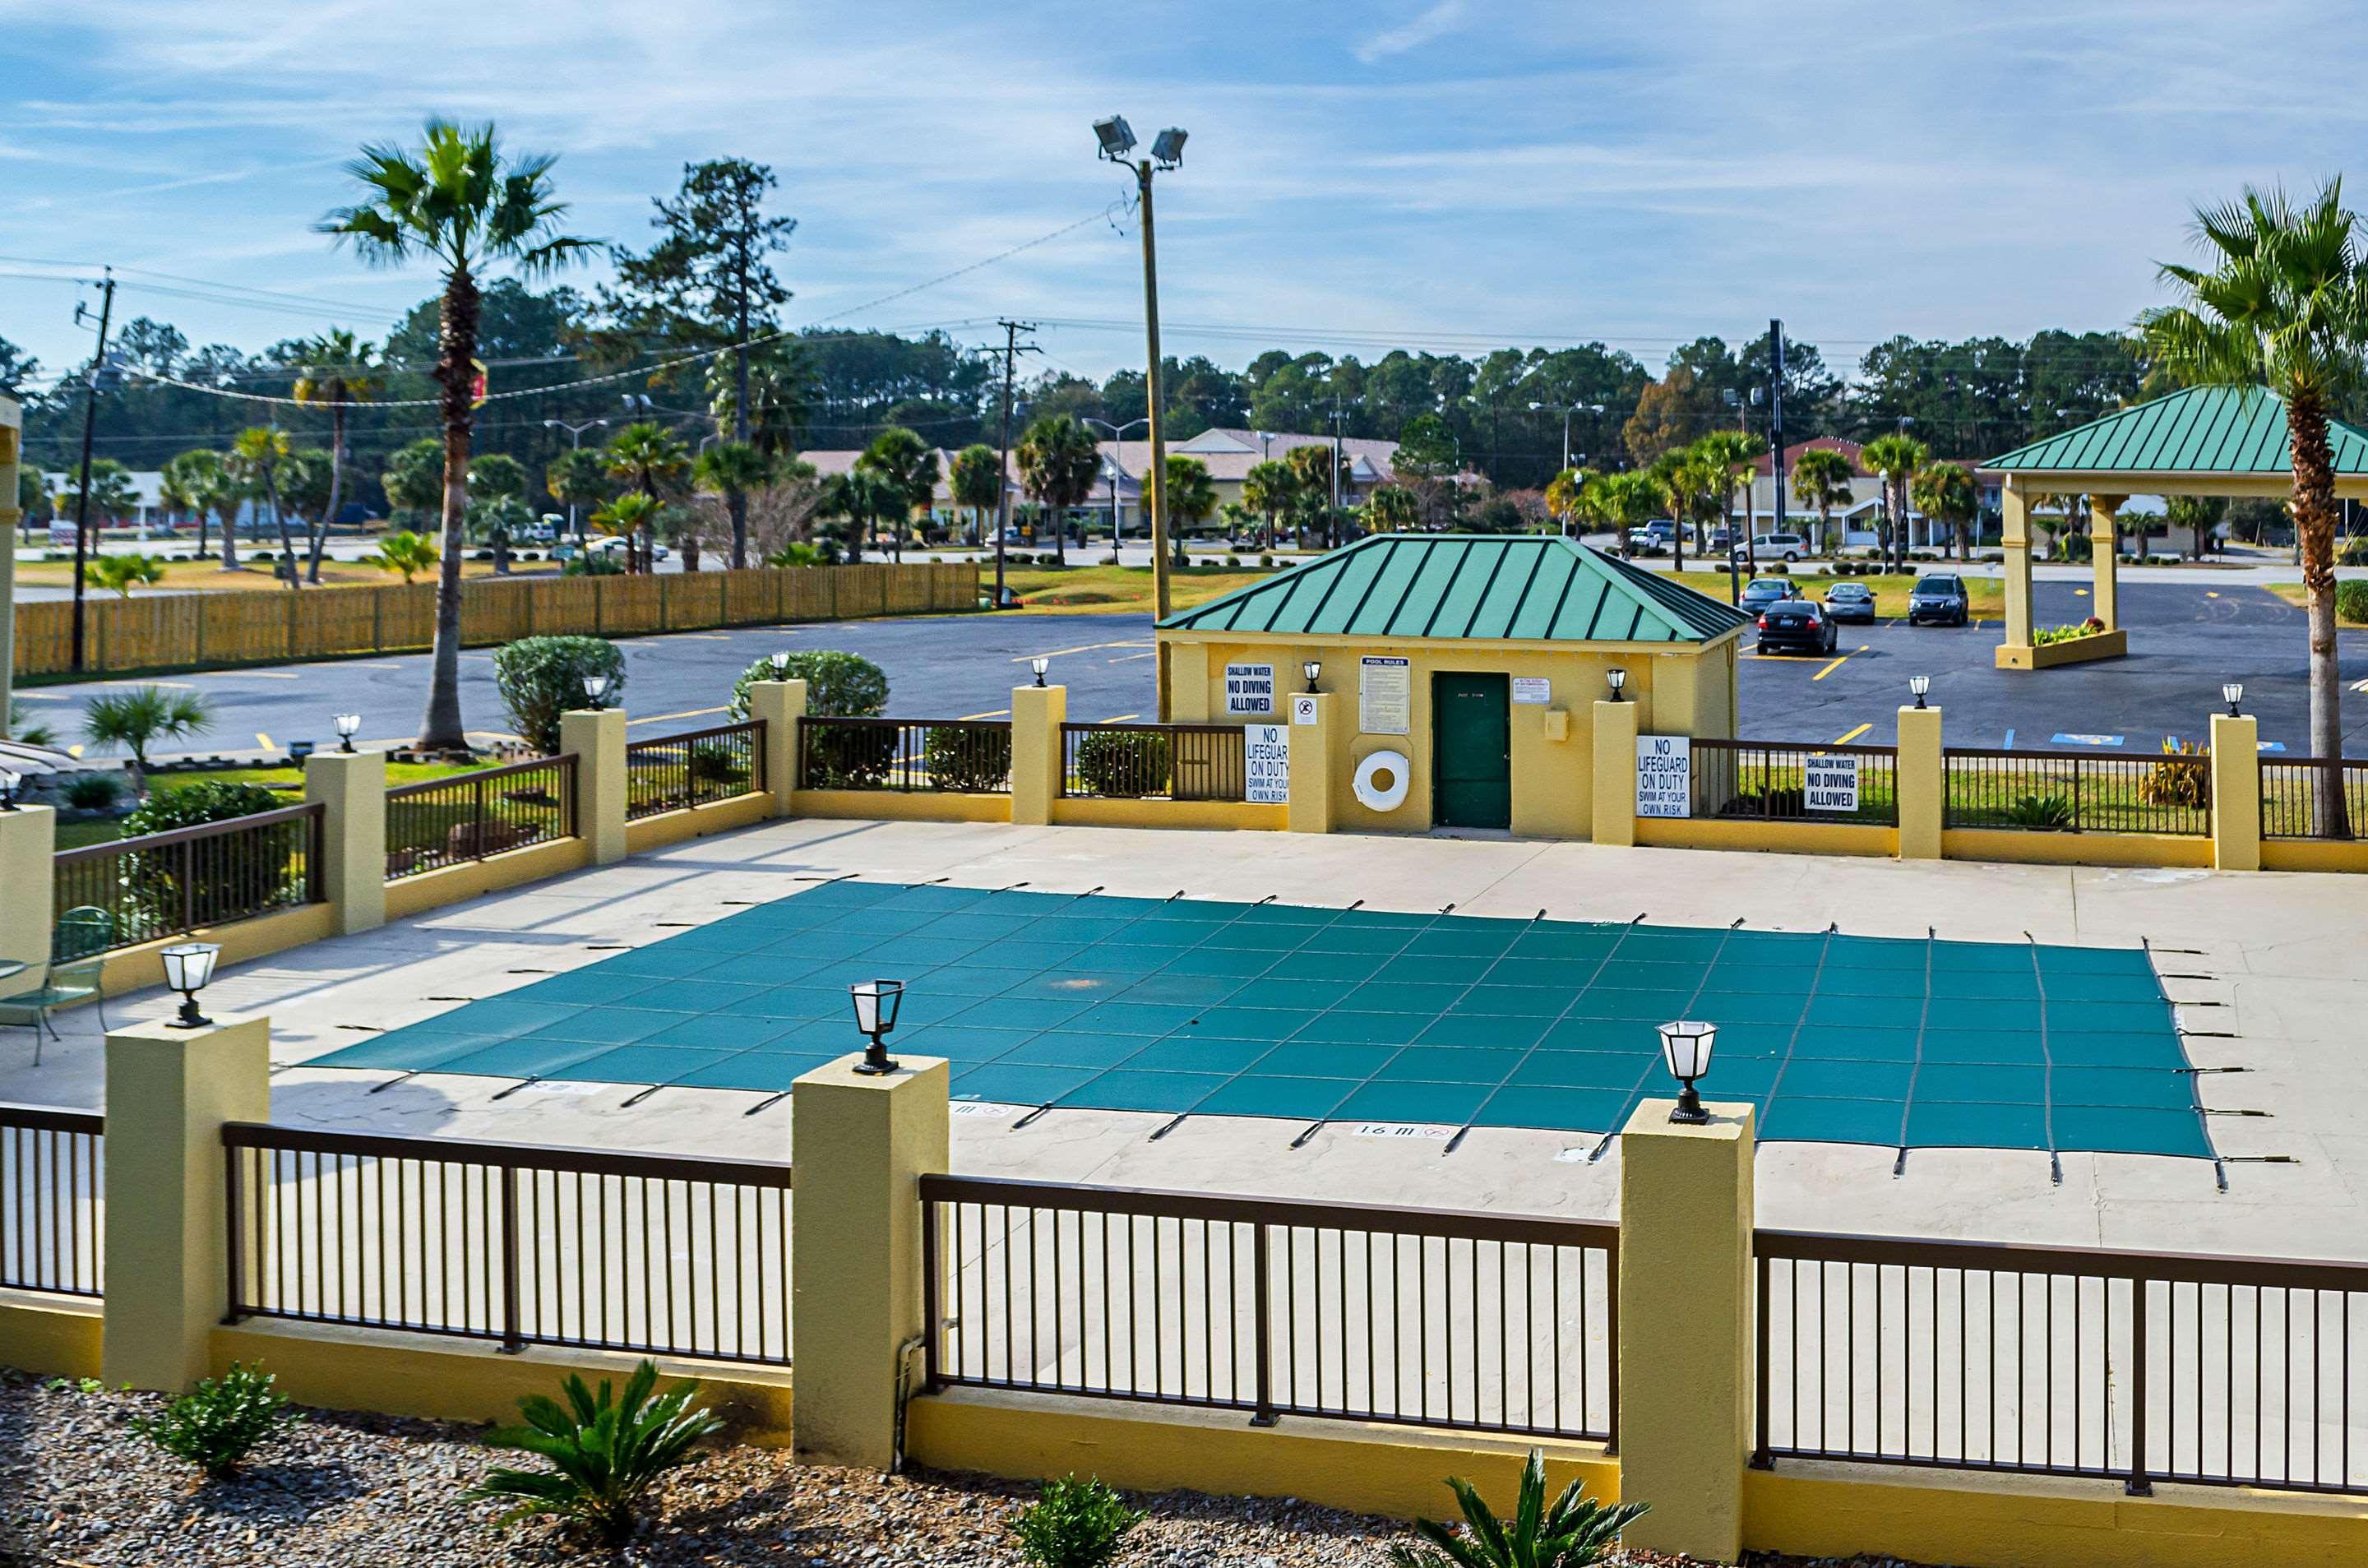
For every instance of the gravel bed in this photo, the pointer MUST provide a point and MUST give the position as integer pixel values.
(80, 1489)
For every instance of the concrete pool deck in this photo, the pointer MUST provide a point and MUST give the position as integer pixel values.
(2267, 960)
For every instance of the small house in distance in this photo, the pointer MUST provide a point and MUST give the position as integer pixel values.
(1466, 668)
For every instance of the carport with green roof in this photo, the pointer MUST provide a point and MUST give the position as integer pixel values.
(2201, 441)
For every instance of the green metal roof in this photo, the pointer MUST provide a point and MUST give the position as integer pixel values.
(1523, 587)
(2226, 430)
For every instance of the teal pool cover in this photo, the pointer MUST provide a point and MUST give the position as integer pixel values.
(1186, 1005)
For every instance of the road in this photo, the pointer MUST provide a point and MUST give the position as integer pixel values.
(2186, 640)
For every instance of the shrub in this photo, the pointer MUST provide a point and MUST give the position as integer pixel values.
(2185, 779)
(714, 764)
(1074, 1524)
(2041, 811)
(218, 883)
(2351, 600)
(1575, 1532)
(93, 792)
(970, 759)
(1123, 763)
(2353, 552)
(604, 565)
(605, 1451)
(137, 719)
(839, 685)
(217, 1423)
(208, 799)
(541, 678)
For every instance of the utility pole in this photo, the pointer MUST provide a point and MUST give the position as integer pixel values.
(1776, 418)
(738, 500)
(1332, 533)
(89, 430)
(1012, 348)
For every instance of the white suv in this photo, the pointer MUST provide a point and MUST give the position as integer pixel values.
(1787, 547)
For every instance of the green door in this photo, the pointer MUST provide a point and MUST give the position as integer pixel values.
(1471, 751)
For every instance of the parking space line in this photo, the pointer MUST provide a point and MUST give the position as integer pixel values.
(1845, 740)
(264, 741)
(1122, 658)
(1081, 648)
(1121, 717)
(1839, 662)
(686, 713)
(997, 713)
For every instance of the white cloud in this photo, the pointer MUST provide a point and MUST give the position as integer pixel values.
(1434, 24)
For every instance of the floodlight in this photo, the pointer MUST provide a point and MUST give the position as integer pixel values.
(1167, 147)
(1117, 140)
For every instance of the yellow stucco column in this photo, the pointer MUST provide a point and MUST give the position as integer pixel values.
(1685, 1327)
(12, 432)
(1315, 732)
(1037, 714)
(1922, 784)
(598, 740)
(2104, 558)
(781, 704)
(168, 1092)
(861, 1145)
(2236, 792)
(1615, 772)
(29, 837)
(2014, 540)
(352, 785)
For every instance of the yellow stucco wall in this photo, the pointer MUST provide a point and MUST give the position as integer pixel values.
(57, 1336)
(646, 834)
(1213, 814)
(1786, 837)
(2075, 848)
(2312, 855)
(894, 805)
(457, 884)
(134, 969)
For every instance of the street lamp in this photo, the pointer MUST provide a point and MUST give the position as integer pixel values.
(1118, 435)
(596, 687)
(187, 967)
(876, 1002)
(1918, 686)
(574, 440)
(1311, 669)
(1566, 410)
(1116, 141)
(2234, 693)
(1040, 665)
(1686, 1047)
(348, 725)
(1617, 680)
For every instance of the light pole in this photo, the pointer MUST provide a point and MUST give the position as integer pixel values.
(574, 440)
(1118, 435)
(1566, 410)
(1167, 155)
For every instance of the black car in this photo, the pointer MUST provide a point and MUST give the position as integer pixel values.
(1940, 598)
(1796, 626)
(1850, 601)
(1761, 592)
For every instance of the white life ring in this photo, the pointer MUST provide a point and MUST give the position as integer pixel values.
(1381, 783)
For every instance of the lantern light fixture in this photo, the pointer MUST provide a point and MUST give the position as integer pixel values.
(1686, 1046)
(596, 687)
(1311, 669)
(1617, 680)
(1918, 685)
(1040, 665)
(2233, 693)
(876, 1002)
(348, 726)
(780, 666)
(188, 968)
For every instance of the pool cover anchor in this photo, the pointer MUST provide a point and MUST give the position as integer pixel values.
(1031, 1116)
(521, 1084)
(770, 1100)
(381, 1088)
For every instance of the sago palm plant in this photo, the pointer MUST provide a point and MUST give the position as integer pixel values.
(1575, 1532)
(605, 1451)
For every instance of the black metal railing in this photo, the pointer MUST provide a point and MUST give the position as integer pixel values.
(944, 756)
(53, 1222)
(2076, 792)
(1174, 762)
(678, 1255)
(2314, 797)
(1777, 781)
(674, 773)
(468, 816)
(2144, 1367)
(167, 885)
(1487, 1322)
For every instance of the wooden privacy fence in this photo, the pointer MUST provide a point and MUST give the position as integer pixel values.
(166, 632)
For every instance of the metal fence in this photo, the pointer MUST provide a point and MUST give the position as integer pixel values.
(52, 1223)
(678, 1255)
(1493, 1323)
(1172, 762)
(167, 885)
(965, 757)
(1774, 781)
(467, 817)
(2075, 793)
(674, 773)
(2314, 797)
(2060, 1361)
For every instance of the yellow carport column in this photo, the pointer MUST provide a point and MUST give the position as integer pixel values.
(860, 1144)
(352, 785)
(2236, 792)
(1615, 773)
(29, 837)
(1037, 714)
(12, 434)
(2104, 556)
(1921, 783)
(168, 1092)
(1314, 722)
(781, 704)
(2014, 540)
(1685, 1344)
(598, 740)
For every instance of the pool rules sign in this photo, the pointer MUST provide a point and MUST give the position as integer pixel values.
(1664, 775)
(1266, 761)
(1829, 783)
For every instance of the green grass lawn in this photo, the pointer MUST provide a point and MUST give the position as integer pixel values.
(289, 782)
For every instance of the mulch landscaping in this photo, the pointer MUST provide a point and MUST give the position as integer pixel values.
(78, 1486)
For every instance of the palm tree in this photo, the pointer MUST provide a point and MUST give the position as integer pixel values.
(730, 469)
(578, 481)
(2197, 513)
(1392, 508)
(863, 497)
(1943, 492)
(459, 202)
(190, 483)
(1567, 497)
(339, 371)
(1688, 482)
(137, 719)
(1734, 452)
(780, 394)
(1191, 499)
(976, 480)
(1894, 460)
(1270, 487)
(650, 460)
(2284, 303)
(1620, 502)
(1059, 462)
(257, 457)
(404, 552)
(120, 574)
(909, 466)
(1821, 479)
(633, 516)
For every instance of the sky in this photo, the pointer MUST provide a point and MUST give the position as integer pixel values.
(1459, 176)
